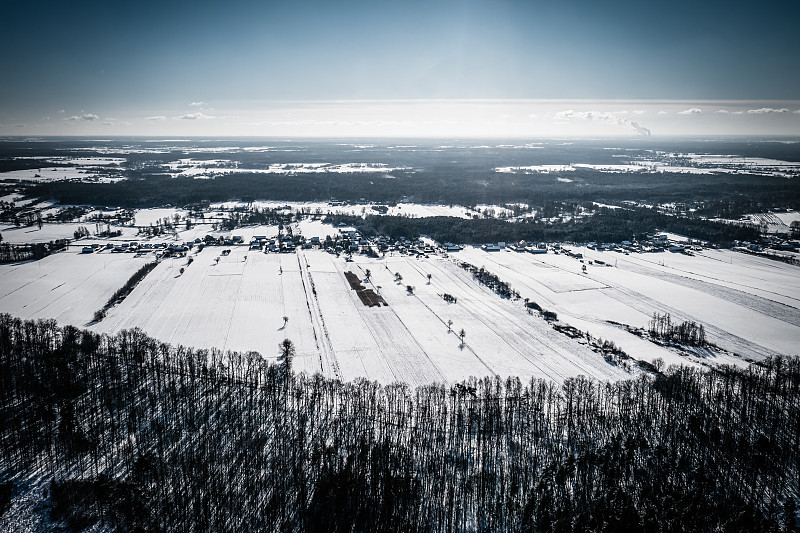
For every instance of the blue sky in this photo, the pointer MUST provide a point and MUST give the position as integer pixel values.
(296, 68)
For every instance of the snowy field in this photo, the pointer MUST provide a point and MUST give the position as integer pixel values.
(239, 303)
(206, 168)
(748, 305)
(674, 163)
(773, 222)
(84, 172)
(67, 286)
(51, 232)
(324, 208)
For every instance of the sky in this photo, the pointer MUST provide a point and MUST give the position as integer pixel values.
(400, 68)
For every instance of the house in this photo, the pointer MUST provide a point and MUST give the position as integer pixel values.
(87, 250)
(490, 247)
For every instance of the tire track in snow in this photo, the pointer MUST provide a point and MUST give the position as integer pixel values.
(770, 308)
(646, 270)
(326, 353)
(444, 323)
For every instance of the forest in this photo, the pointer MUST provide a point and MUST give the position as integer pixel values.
(608, 225)
(457, 183)
(138, 435)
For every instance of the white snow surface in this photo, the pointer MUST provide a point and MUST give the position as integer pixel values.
(53, 231)
(239, 304)
(748, 305)
(68, 286)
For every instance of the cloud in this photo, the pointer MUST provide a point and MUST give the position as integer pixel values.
(691, 111)
(639, 129)
(796, 111)
(602, 116)
(156, 117)
(61, 111)
(662, 113)
(765, 110)
(107, 123)
(89, 117)
(198, 104)
(195, 116)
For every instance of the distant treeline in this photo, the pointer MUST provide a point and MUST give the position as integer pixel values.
(147, 437)
(608, 225)
(464, 182)
(12, 253)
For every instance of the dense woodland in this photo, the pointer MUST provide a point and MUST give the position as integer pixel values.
(142, 436)
(460, 184)
(608, 225)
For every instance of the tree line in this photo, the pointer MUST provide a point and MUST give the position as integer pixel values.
(607, 225)
(142, 436)
(12, 253)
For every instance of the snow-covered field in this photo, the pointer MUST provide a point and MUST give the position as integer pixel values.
(200, 168)
(67, 286)
(145, 217)
(675, 163)
(748, 305)
(239, 304)
(51, 232)
(83, 172)
(773, 222)
(324, 208)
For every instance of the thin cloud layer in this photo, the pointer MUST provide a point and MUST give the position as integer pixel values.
(195, 116)
(89, 117)
(764, 110)
(691, 111)
(603, 116)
